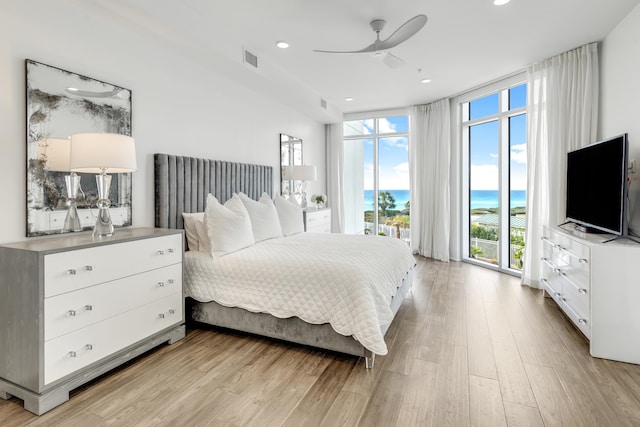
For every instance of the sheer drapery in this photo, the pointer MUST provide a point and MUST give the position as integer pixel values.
(429, 158)
(335, 167)
(562, 115)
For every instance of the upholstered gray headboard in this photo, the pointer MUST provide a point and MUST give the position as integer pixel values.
(182, 184)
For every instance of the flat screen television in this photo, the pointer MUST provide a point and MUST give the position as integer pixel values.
(597, 186)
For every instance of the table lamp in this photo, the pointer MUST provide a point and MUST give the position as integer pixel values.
(102, 153)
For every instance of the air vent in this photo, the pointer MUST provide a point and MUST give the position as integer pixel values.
(250, 59)
(323, 103)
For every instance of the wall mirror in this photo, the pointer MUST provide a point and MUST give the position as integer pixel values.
(59, 104)
(290, 155)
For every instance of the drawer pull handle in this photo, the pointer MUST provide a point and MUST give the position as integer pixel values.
(170, 281)
(170, 250)
(558, 294)
(545, 281)
(72, 354)
(582, 321)
(161, 315)
(160, 252)
(71, 272)
(172, 311)
(88, 267)
(88, 307)
(582, 260)
(582, 291)
(161, 284)
(89, 347)
(72, 313)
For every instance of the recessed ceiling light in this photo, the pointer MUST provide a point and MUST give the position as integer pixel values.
(282, 44)
(425, 81)
(500, 2)
(348, 99)
(72, 89)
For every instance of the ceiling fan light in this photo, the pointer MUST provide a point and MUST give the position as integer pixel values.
(282, 44)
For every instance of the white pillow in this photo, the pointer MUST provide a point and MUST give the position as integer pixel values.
(290, 216)
(264, 217)
(191, 221)
(228, 226)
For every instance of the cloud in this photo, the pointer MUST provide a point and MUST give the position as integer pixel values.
(389, 178)
(494, 155)
(385, 126)
(484, 177)
(396, 141)
(395, 178)
(519, 153)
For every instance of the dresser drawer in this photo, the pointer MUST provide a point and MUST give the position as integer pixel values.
(72, 270)
(75, 310)
(581, 321)
(79, 349)
(318, 221)
(576, 297)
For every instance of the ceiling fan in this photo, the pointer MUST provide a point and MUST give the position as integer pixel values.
(380, 48)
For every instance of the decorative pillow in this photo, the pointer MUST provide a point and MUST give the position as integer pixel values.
(228, 226)
(290, 216)
(264, 217)
(191, 222)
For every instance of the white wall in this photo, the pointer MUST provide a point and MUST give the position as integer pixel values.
(181, 105)
(620, 94)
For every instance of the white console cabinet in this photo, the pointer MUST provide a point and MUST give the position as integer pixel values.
(74, 307)
(597, 285)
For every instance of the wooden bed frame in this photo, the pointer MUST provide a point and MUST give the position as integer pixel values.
(182, 185)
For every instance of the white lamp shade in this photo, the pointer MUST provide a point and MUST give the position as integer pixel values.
(302, 173)
(102, 152)
(56, 153)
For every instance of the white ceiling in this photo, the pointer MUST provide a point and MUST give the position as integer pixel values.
(465, 43)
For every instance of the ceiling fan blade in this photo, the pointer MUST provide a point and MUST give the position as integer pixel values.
(392, 61)
(406, 31)
(370, 48)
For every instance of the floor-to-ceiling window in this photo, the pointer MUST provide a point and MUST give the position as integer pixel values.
(494, 145)
(376, 176)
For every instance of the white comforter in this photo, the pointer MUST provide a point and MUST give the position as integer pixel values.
(345, 280)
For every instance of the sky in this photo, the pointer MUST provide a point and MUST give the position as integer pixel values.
(393, 153)
(484, 158)
(483, 151)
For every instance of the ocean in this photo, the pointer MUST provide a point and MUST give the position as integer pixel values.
(479, 198)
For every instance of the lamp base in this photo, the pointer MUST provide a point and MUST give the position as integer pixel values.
(104, 226)
(72, 220)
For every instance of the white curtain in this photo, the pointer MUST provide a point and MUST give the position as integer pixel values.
(429, 158)
(562, 115)
(335, 167)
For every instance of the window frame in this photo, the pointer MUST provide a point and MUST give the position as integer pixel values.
(375, 137)
(503, 116)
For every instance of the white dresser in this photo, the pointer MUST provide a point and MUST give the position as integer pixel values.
(597, 285)
(74, 307)
(317, 220)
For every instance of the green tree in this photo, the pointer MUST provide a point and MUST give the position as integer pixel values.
(385, 202)
(399, 222)
(484, 233)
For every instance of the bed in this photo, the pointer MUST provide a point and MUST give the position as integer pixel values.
(326, 276)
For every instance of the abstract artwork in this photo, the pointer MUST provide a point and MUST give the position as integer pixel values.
(59, 104)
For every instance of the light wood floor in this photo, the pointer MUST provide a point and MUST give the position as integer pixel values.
(469, 347)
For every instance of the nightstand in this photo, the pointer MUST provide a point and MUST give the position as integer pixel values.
(317, 220)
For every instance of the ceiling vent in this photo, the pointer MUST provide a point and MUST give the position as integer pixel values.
(250, 59)
(323, 103)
